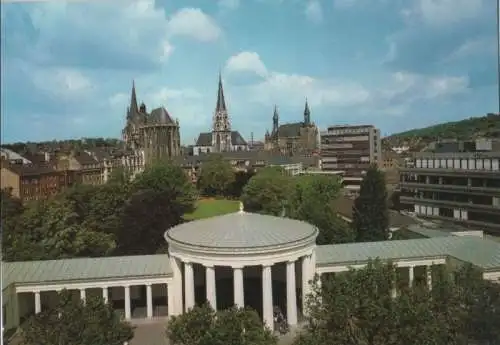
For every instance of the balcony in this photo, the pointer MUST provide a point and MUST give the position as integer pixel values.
(434, 187)
(452, 172)
(450, 204)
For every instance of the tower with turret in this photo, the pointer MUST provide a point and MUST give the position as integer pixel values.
(221, 128)
(156, 134)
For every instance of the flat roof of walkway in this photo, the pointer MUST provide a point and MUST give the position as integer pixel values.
(478, 251)
(482, 253)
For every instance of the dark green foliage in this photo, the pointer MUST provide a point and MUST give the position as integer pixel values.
(241, 179)
(203, 326)
(484, 126)
(267, 192)
(159, 198)
(357, 308)
(73, 322)
(216, 176)
(310, 200)
(370, 211)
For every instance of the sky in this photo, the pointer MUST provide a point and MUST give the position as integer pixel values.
(68, 66)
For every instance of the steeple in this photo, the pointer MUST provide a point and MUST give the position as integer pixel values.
(275, 119)
(221, 102)
(307, 114)
(133, 100)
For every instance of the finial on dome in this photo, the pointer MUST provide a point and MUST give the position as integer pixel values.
(242, 208)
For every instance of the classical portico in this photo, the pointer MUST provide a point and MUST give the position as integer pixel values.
(243, 248)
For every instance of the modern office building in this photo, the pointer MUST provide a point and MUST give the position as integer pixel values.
(455, 183)
(350, 149)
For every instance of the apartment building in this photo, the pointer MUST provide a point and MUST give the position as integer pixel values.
(463, 187)
(351, 149)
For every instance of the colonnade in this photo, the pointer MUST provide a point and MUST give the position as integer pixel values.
(127, 298)
(308, 271)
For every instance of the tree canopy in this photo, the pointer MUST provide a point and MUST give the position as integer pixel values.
(358, 308)
(203, 326)
(74, 322)
(370, 209)
(216, 176)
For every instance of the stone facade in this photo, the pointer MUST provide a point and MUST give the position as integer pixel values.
(156, 134)
(292, 138)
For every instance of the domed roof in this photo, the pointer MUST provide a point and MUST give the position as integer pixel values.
(241, 230)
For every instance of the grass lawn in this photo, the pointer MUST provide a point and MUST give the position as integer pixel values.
(206, 208)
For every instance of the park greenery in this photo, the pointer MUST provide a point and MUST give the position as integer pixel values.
(129, 217)
(358, 308)
(74, 322)
(203, 326)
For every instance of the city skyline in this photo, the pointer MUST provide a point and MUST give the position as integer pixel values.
(395, 64)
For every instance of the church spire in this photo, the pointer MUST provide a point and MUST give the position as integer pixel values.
(221, 102)
(133, 100)
(307, 114)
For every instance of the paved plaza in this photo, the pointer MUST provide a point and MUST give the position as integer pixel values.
(153, 333)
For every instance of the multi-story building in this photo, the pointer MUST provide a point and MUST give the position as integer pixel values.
(463, 187)
(29, 182)
(351, 149)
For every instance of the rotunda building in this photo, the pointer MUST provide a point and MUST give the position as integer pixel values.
(243, 259)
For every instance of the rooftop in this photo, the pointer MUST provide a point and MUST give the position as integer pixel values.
(241, 230)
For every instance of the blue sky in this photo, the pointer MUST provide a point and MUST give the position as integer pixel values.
(67, 67)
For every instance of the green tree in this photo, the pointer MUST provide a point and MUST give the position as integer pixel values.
(241, 179)
(216, 176)
(370, 211)
(160, 197)
(50, 229)
(267, 192)
(358, 308)
(203, 326)
(73, 322)
(12, 210)
(311, 201)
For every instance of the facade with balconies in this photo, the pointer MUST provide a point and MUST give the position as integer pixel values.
(463, 187)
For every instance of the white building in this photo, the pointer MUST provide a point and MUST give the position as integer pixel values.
(241, 259)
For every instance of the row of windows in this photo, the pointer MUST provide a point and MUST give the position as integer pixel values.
(467, 164)
(349, 130)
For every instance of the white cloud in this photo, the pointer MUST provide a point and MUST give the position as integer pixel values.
(62, 82)
(314, 11)
(443, 12)
(229, 4)
(193, 22)
(246, 61)
(472, 47)
(164, 95)
(344, 3)
(398, 92)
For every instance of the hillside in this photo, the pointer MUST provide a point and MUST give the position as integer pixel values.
(485, 126)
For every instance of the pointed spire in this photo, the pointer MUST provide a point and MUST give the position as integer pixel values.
(275, 111)
(306, 109)
(221, 102)
(133, 100)
(307, 114)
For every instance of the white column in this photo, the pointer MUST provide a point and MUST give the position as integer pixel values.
(128, 312)
(239, 293)
(267, 297)
(411, 276)
(211, 289)
(428, 271)
(149, 301)
(38, 302)
(105, 294)
(291, 295)
(82, 295)
(171, 300)
(189, 285)
(306, 287)
(175, 288)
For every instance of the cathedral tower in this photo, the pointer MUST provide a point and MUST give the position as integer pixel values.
(221, 131)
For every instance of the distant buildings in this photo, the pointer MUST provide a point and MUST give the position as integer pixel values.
(222, 138)
(350, 149)
(457, 181)
(292, 138)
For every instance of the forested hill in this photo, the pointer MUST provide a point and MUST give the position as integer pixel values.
(471, 128)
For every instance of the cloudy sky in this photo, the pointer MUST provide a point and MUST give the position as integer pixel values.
(67, 67)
